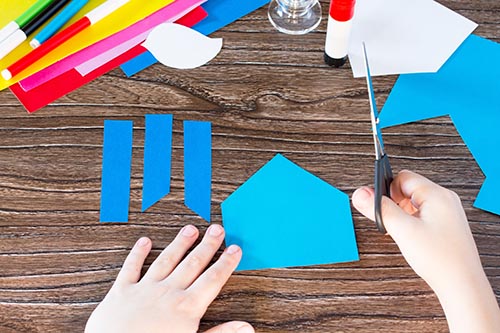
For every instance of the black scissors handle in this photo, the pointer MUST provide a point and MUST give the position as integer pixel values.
(383, 180)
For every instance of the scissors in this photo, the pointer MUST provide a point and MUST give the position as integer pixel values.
(383, 171)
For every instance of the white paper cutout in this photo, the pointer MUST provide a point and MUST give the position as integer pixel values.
(405, 36)
(177, 46)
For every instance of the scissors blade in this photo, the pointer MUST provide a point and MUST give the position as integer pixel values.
(377, 136)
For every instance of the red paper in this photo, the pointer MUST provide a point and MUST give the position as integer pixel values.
(50, 91)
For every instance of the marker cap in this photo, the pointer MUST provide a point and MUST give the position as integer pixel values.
(6, 74)
(8, 30)
(35, 43)
(13, 41)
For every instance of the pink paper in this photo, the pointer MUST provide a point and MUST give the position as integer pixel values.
(170, 13)
(98, 61)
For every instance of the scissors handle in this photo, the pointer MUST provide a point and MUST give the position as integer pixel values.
(383, 180)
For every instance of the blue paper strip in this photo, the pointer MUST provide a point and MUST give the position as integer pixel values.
(116, 165)
(466, 88)
(220, 14)
(284, 216)
(157, 158)
(198, 167)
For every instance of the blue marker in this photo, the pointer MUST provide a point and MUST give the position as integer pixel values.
(58, 21)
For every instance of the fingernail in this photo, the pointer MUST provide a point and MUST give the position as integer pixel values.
(143, 241)
(233, 249)
(361, 195)
(215, 230)
(245, 329)
(189, 231)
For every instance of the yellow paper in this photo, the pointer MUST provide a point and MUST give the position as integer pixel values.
(11, 10)
(122, 18)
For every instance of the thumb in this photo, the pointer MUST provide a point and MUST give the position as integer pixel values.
(396, 221)
(232, 327)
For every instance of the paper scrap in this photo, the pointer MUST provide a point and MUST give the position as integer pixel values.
(405, 36)
(157, 158)
(180, 47)
(284, 216)
(469, 95)
(108, 48)
(116, 165)
(220, 14)
(198, 167)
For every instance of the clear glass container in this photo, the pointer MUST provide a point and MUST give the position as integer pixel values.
(295, 17)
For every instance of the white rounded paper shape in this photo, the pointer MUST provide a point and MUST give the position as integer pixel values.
(177, 46)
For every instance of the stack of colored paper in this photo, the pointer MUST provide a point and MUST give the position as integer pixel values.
(112, 40)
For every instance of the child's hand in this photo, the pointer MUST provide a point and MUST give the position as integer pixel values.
(429, 225)
(173, 295)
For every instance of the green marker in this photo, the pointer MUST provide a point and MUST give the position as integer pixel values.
(24, 19)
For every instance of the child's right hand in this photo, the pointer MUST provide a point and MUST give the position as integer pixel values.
(429, 225)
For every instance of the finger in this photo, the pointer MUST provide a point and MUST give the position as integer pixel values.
(131, 269)
(170, 257)
(232, 327)
(192, 266)
(396, 220)
(210, 283)
(415, 187)
(363, 199)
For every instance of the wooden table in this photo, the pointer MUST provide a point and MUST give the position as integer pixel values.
(265, 93)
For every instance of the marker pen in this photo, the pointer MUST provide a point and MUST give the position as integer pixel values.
(22, 20)
(57, 22)
(338, 31)
(20, 35)
(55, 41)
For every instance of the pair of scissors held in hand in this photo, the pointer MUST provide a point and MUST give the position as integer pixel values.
(383, 171)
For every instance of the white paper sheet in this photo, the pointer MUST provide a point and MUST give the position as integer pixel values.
(177, 46)
(405, 36)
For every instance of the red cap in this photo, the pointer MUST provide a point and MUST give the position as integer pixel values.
(342, 10)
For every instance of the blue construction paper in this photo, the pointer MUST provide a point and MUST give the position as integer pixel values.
(116, 165)
(487, 199)
(139, 63)
(157, 158)
(284, 216)
(220, 14)
(481, 134)
(467, 83)
(466, 88)
(198, 167)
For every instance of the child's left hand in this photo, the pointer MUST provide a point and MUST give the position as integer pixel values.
(173, 295)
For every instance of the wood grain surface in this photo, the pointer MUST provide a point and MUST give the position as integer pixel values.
(265, 93)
